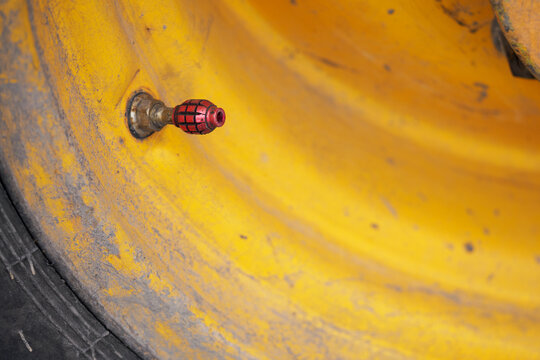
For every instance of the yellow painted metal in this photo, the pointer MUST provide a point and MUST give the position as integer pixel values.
(519, 20)
(374, 194)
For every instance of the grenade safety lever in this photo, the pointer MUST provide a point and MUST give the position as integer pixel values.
(146, 115)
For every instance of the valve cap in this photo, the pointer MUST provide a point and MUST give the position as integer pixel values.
(198, 116)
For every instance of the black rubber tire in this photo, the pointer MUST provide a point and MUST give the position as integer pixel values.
(40, 316)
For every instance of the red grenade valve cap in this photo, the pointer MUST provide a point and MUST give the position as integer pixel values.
(198, 116)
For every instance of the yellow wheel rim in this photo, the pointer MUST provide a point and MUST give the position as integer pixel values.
(374, 193)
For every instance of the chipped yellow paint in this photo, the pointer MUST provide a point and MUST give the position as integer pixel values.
(126, 264)
(167, 333)
(118, 291)
(125, 261)
(159, 285)
(374, 193)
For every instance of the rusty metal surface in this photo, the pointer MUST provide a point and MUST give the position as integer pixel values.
(514, 62)
(520, 22)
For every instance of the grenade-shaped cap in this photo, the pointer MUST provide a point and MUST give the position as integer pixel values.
(198, 116)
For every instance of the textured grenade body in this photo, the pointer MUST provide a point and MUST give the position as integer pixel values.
(198, 116)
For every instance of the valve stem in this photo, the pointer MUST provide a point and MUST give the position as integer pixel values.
(147, 115)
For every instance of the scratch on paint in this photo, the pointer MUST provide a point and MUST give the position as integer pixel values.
(25, 341)
(389, 206)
